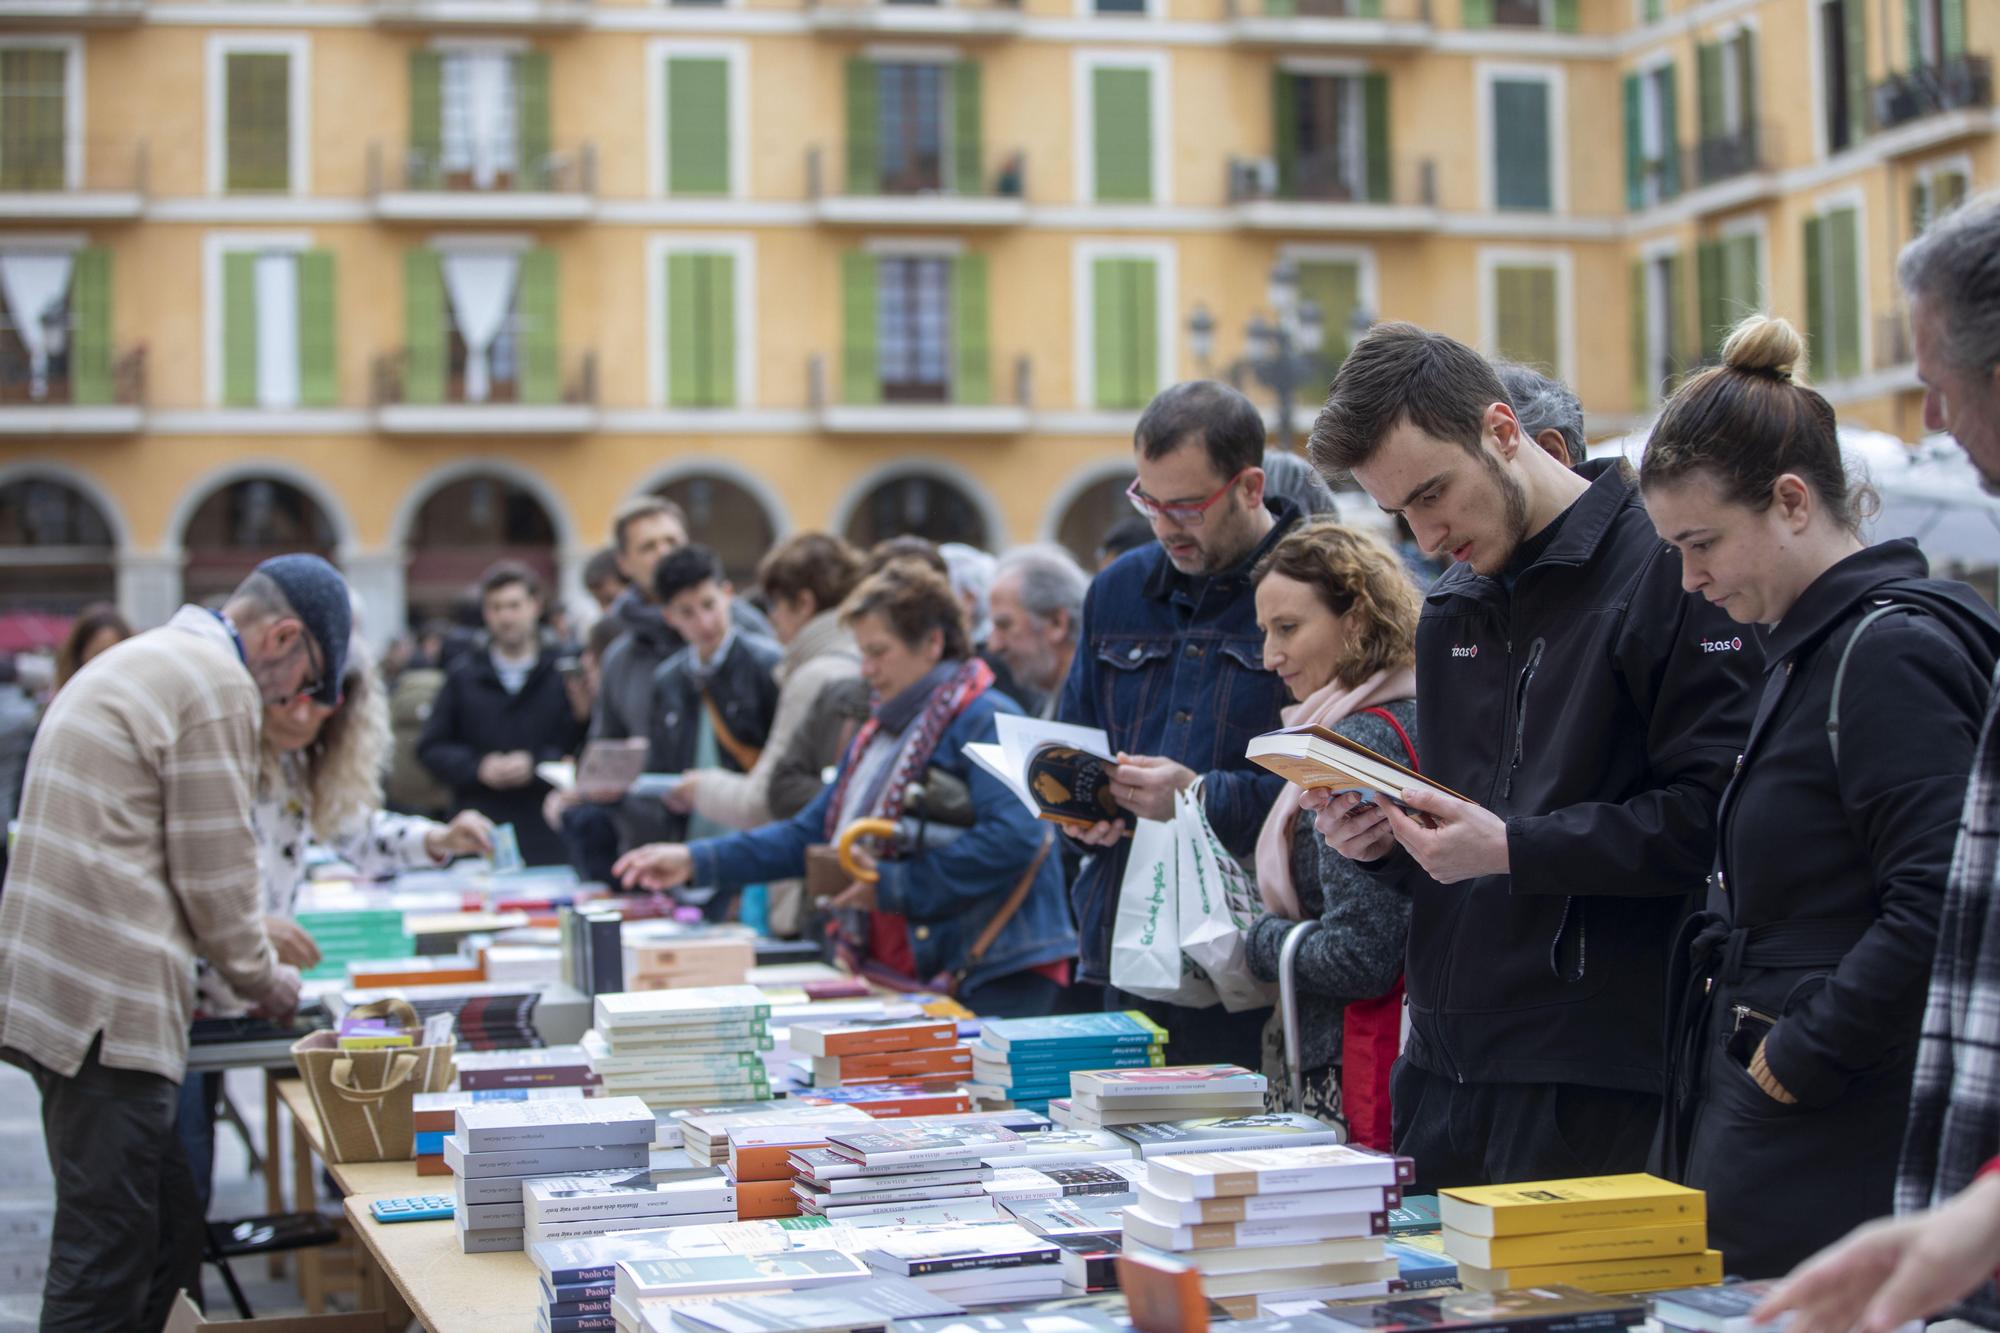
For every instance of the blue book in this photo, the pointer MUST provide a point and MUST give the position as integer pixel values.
(431, 1144)
(1028, 1060)
(1067, 1031)
(1421, 1263)
(600, 1290)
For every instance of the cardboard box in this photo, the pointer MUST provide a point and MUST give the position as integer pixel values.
(186, 1317)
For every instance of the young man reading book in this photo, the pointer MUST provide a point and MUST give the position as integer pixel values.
(1579, 699)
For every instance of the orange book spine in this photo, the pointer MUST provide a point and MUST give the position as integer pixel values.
(757, 1162)
(765, 1198)
(432, 1165)
(439, 977)
(930, 1037)
(898, 1065)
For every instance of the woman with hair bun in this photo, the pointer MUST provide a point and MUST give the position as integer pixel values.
(1797, 994)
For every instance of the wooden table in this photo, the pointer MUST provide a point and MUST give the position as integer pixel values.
(374, 1179)
(419, 1267)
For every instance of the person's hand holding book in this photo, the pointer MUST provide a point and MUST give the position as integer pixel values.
(1146, 784)
(1464, 841)
(1352, 826)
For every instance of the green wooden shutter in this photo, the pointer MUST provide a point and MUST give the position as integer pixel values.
(1368, 9)
(257, 121)
(1122, 105)
(1855, 36)
(1683, 337)
(531, 97)
(1566, 15)
(1635, 143)
(1144, 340)
(1913, 33)
(697, 125)
(535, 328)
(719, 296)
(1843, 256)
(1739, 278)
(1642, 370)
(1522, 177)
(1670, 131)
(1951, 38)
(1708, 90)
(1477, 13)
(34, 99)
(968, 140)
(1335, 288)
(1110, 282)
(1709, 299)
(239, 329)
(1375, 128)
(1746, 85)
(864, 147)
(684, 331)
(1281, 9)
(423, 327)
(1527, 314)
(319, 380)
(972, 349)
(90, 360)
(1285, 131)
(426, 120)
(861, 374)
(1819, 336)
(1920, 205)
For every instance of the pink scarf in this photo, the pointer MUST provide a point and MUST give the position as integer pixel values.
(1325, 706)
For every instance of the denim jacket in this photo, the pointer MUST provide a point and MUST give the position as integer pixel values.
(1174, 666)
(947, 893)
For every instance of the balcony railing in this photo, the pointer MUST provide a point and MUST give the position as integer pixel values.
(521, 402)
(484, 13)
(94, 13)
(109, 179)
(1308, 11)
(420, 171)
(66, 399)
(1740, 152)
(909, 408)
(961, 18)
(1958, 84)
(875, 185)
(1333, 178)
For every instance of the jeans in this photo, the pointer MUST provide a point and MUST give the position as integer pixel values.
(128, 1230)
(195, 1127)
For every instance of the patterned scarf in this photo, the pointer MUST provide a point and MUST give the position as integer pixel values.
(947, 700)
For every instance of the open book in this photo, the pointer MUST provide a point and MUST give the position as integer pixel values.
(1061, 772)
(609, 770)
(1313, 756)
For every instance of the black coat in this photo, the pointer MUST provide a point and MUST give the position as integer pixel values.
(744, 687)
(474, 716)
(1822, 913)
(1582, 708)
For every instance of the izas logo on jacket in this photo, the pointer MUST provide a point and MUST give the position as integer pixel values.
(1734, 645)
(1465, 650)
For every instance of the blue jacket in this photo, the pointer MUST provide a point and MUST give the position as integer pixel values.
(947, 893)
(1174, 666)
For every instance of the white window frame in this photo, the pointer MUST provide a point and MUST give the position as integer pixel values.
(1931, 168)
(743, 250)
(1493, 258)
(298, 78)
(215, 247)
(1083, 143)
(1856, 198)
(736, 56)
(1556, 78)
(73, 99)
(1165, 255)
(1656, 137)
(1087, 9)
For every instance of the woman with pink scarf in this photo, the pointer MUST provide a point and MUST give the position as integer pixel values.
(1339, 616)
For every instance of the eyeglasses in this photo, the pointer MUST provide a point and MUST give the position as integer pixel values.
(1182, 514)
(311, 688)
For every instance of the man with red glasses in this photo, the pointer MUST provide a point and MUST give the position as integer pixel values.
(1171, 666)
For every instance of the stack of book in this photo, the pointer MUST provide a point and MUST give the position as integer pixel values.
(1069, 1147)
(677, 1048)
(594, 1204)
(1712, 1309)
(1107, 1098)
(846, 1307)
(1529, 1310)
(705, 1132)
(645, 1291)
(921, 1051)
(1028, 1061)
(1272, 1225)
(890, 1167)
(1273, 1129)
(1630, 1233)
(497, 1147)
(353, 936)
(666, 961)
(433, 1115)
(1025, 1184)
(890, 1101)
(526, 965)
(1416, 1243)
(763, 1163)
(987, 1263)
(1090, 1231)
(524, 1067)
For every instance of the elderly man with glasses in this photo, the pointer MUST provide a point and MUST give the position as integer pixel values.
(1171, 666)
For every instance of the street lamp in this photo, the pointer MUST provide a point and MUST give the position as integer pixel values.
(1281, 349)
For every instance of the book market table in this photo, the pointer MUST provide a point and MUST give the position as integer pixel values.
(416, 1268)
(369, 1179)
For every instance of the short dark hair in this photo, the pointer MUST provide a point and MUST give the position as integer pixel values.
(906, 547)
(607, 631)
(689, 567)
(1228, 425)
(644, 506)
(601, 567)
(506, 573)
(1399, 373)
(912, 600)
(815, 562)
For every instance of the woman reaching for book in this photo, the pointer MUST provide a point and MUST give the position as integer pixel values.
(1339, 617)
(1795, 997)
(980, 903)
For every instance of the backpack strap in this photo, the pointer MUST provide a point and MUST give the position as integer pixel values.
(1840, 673)
(1401, 735)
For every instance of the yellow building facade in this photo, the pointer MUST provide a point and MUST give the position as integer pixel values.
(421, 282)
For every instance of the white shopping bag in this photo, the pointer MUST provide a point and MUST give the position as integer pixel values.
(1146, 957)
(1218, 903)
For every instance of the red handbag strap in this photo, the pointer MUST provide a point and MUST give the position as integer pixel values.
(1401, 735)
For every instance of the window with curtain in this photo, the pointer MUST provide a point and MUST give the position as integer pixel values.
(1523, 144)
(1526, 317)
(34, 97)
(35, 325)
(257, 121)
(277, 329)
(1659, 327)
(1331, 131)
(913, 329)
(480, 144)
(1935, 191)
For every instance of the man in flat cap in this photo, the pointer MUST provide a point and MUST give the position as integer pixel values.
(135, 856)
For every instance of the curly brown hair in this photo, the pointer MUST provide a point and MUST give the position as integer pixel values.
(912, 600)
(814, 562)
(1351, 570)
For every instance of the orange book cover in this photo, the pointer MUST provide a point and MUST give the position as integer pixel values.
(439, 976)
(1162, 1295)
(432, 1165)
(765, 1198)
(891, 1066)
(765, 1154)
(938, 1103)
(827, 1038)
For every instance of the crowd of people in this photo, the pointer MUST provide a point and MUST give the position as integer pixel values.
(1705, 886)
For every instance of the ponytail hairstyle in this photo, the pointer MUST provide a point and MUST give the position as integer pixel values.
(1748, 422)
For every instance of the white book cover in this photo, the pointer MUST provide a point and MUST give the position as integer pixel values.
(580, 1228)
(639, 1279)
(1267, 1207)
(1230, 1173)
(690, 1005)
(601, 1121)
(948, 1212)
(1150, 1230)
(637, 1193)
(542, 1161)
(1016, 739)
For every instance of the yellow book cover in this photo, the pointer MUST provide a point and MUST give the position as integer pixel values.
(378, 1041)
(1606, 1276)
(1574, 1247)
(1566, 1205)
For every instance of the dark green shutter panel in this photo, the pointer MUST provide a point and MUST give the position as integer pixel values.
(1642, 370)
(1708, 268)
(968, 139)
(1920, 205)
(1336, 289)
(861, 377)
(1855, 37)
(1144, 313)
(1285, 131)
(1368, 9)
(1682, 338)
(1739, 269)
(1951, 38)
(33, 105)
(531, 96)
(257, 129)
(1819, 337)
(1670, 131)
(684, 331)
(426, 119)
(1566, 15)
(1635, 143)
(1478, 13)
(1913, 32)
(719, 295)
(1522, 176)
(1375, 126)
(1843, 257)
(1948, 190)
(90, 362)
(1708, 90)
(1123, 115)
(423, 327)
(535, 329)
(1527, 315)
(1746, 79)
(972, 351)
(1111, 335)
(697, 125)
(319, 380)
(239, 329)
(864, 152)
(1281, 9)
